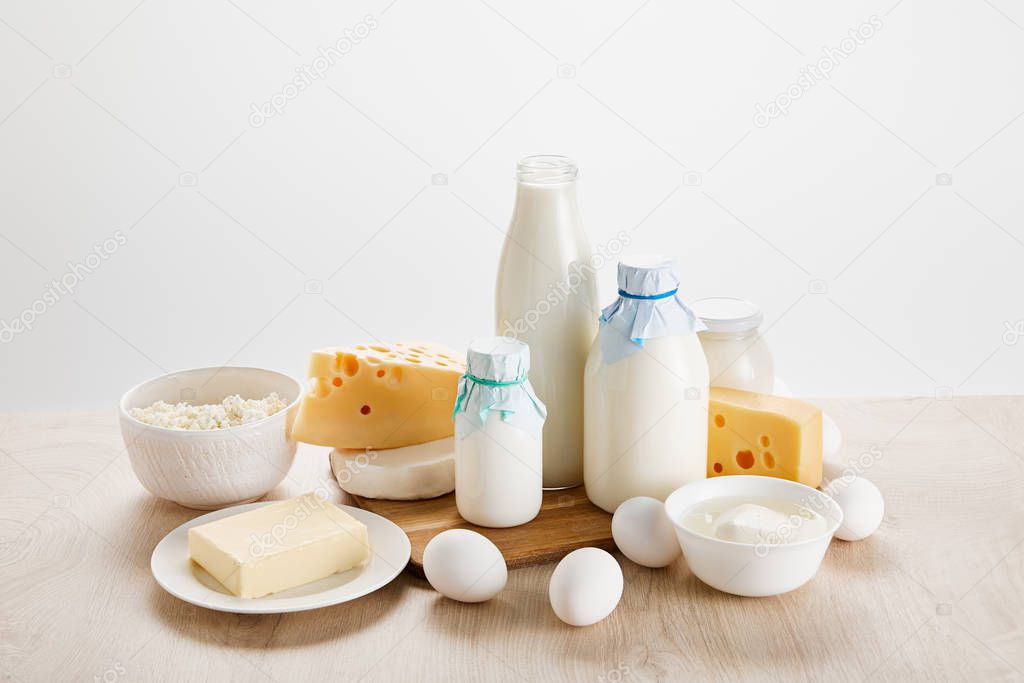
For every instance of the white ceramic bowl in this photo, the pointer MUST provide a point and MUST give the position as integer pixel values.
(211, 469)
(745, 568)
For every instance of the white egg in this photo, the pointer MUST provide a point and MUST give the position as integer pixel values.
(464, 565)
(862, 506)
(831, 437)
(643, 532)
(585, 586)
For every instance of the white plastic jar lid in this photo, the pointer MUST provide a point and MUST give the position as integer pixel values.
(727, 314)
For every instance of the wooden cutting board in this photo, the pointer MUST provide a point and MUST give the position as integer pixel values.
(567, 521)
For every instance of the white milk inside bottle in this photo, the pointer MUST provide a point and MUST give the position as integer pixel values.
(498, 424)
(547, 297)
(738, 356)
(646, 390)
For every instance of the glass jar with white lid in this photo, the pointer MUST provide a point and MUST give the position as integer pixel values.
(737, 354)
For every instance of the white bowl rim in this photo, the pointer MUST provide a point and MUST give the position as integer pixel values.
(837, 518)
(124, 412)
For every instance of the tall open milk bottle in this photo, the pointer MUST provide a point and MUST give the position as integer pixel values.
(646, 390)
(547, 297)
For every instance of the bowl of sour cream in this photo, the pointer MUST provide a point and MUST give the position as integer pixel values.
(753, 536)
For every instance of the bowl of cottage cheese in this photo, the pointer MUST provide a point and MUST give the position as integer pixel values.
(211, 437)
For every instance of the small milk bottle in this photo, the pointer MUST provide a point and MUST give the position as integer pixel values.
(738, 356)
(547, 297)
(498, 443)
(645, 390)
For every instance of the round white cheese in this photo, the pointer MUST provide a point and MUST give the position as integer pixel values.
(426, 470)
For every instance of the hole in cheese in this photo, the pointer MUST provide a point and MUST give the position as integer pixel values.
(718, 468)
(396, 375)
(350, 365)
(336, 381)
(745, 459)
(783, 434)
(318, 387)
(365, 410)
(381, 349)
(380, 373)
(411, 359)
(719, 421)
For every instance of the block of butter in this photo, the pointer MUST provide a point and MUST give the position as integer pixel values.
(772, 436)
(379, 396)
(279, 546)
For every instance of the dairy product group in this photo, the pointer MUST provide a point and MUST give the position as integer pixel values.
(635, 400)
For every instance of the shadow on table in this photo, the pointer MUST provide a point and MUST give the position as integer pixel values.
(277, 631)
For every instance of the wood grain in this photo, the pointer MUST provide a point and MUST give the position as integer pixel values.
(936, 594)
(567, 521)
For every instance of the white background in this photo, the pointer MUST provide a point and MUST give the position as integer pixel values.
(252, 245)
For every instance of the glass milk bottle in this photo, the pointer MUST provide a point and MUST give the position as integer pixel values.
(737, 355)
(546, 296)
(498, 446)
(646, 390)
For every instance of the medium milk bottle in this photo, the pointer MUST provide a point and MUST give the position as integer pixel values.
(498, 424)
(646, 390)
(547, 297)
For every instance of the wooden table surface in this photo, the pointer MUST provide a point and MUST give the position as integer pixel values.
(937, 593)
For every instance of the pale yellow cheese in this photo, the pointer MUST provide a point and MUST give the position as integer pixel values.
(379, 396)
(279, 546)
(760, 434)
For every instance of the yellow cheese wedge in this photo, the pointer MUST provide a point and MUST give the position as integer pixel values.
(379, 396)
(760, 434)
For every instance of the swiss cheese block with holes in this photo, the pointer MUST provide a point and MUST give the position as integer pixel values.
(379, 396)
(761, 434)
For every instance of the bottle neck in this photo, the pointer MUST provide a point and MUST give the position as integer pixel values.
(542, 206)
(746, 335)
(547, 192)
(546, 169)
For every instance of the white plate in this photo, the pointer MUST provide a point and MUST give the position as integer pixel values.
(181, 577)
